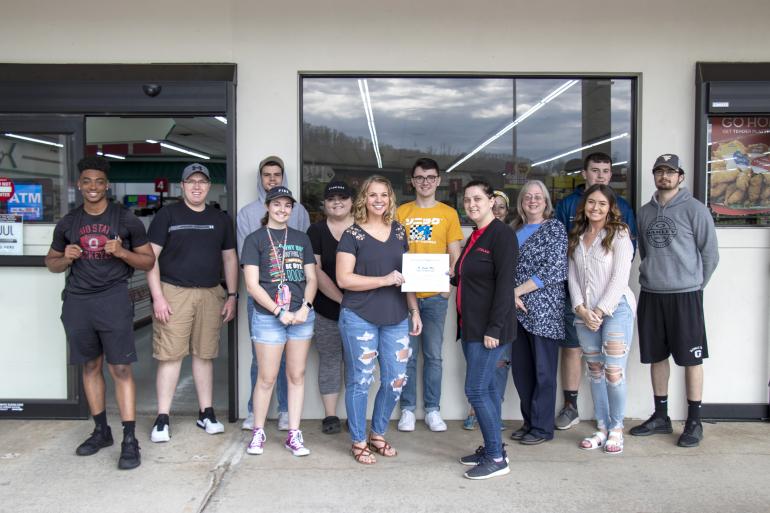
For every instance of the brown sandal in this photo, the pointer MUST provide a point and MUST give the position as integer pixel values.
(385, 449)
(359, 453)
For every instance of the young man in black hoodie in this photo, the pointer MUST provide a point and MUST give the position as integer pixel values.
(679, 251)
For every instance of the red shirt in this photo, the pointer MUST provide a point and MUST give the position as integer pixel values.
(471, 241)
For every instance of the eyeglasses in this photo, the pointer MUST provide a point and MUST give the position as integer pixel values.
(533, 197)
(423, 179)
(668, 172)
(193, 183)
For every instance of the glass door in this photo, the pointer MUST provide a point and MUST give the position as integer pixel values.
(38, 156)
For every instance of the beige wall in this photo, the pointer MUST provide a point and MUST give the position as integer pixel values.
(272, 41)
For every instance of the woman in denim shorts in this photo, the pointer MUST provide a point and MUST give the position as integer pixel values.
(279, 270)
(601, 252)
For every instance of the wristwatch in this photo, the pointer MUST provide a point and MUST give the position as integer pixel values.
(233, 294)
(309, 305)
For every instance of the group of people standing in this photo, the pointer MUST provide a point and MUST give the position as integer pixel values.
(528, 282)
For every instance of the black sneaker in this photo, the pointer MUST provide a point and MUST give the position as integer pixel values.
(692, 434)
(129, 453)
(476, 457)
(519, 433)
(99, 439)
(488, 467)
(655, 425)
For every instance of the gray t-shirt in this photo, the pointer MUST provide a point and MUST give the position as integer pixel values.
(298, 252)
(385, 305)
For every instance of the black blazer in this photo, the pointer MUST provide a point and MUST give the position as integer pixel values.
(486, 282)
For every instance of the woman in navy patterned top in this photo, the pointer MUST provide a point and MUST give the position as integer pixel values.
(540, 275)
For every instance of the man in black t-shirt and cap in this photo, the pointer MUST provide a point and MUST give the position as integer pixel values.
(194, 242)
(101, 243)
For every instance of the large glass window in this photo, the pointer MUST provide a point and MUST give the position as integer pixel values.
(506, 130)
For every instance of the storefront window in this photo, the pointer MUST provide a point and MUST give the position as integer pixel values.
(33, 174)
(505, 130)
(739, 170)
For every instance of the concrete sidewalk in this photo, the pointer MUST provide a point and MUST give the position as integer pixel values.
(39, 472)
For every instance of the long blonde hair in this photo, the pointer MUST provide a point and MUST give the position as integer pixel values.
(360, 215)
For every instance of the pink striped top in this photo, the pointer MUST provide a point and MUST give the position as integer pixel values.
(600, 279)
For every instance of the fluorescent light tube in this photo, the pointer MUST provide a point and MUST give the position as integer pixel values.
(32, 139)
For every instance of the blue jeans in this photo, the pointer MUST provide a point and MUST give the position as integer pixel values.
(362, 343)
(609, 397)
(281, 384)
(501, 372)
(433, 315)
(482, 393)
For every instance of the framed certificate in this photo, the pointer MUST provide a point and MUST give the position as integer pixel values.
(425, 272)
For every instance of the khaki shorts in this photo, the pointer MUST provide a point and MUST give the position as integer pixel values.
(194, 325)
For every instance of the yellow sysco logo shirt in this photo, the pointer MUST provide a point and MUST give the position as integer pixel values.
(429, 230)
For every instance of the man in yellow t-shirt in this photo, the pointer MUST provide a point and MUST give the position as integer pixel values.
(432, 227)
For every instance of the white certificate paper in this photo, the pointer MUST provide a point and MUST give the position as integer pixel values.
(425, 272)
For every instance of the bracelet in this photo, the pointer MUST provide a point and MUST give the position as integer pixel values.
(278, 313)
(413, 310)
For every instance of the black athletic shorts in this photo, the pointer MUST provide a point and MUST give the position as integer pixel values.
(101, 323)
(672, 324)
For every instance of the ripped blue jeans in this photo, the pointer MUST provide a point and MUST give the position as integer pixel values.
(606, 354)
(363, 343)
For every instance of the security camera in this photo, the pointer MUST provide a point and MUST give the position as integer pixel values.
(152, 90)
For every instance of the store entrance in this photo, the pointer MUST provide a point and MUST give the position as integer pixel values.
(146, 157)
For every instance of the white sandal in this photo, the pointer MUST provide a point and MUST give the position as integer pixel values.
(614, 442)
(595, 441)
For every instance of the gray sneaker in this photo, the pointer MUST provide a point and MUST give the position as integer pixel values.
(567, 417)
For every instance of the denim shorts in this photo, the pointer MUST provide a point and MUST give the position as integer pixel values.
(267, 329)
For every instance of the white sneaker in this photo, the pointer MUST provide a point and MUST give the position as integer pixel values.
(248, 423)
(283, 421)
(160, 435)
(257, 444)
(211, 427)
(435, 422)
(406, 423)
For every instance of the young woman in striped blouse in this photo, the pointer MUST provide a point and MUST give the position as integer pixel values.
(600, 255)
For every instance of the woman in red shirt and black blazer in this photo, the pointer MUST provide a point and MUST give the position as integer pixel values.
(484, 276)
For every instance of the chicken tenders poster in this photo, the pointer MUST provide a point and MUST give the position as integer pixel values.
(739, 165)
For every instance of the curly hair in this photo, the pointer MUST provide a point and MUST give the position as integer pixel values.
(360, 214)
(614, 224)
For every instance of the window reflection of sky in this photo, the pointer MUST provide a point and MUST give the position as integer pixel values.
(451, 116)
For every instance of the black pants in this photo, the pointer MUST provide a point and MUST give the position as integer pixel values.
(534, 361)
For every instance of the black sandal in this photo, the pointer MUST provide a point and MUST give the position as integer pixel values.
(331, 425)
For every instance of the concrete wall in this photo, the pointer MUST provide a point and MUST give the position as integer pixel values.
(272, 42)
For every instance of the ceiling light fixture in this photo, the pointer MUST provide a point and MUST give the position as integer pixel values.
(363, 87)
(111, 155)
(507, 128)
(178, 148)
(221, 118)
(570, 152)
(32, 139)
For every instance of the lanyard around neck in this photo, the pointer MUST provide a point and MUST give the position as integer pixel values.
(283, 251)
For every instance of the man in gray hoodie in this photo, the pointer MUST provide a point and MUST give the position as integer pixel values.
(679, 251)
(271, 174)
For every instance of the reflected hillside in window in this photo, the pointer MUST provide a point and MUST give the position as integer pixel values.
(502, 129)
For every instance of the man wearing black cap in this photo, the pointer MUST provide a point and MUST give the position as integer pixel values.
(193, 243)
(679, 251)
(271, 174)
(101, 243)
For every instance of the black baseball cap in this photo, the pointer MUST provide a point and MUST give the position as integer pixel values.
(668, 160)
(279, 192)
(337, 188)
